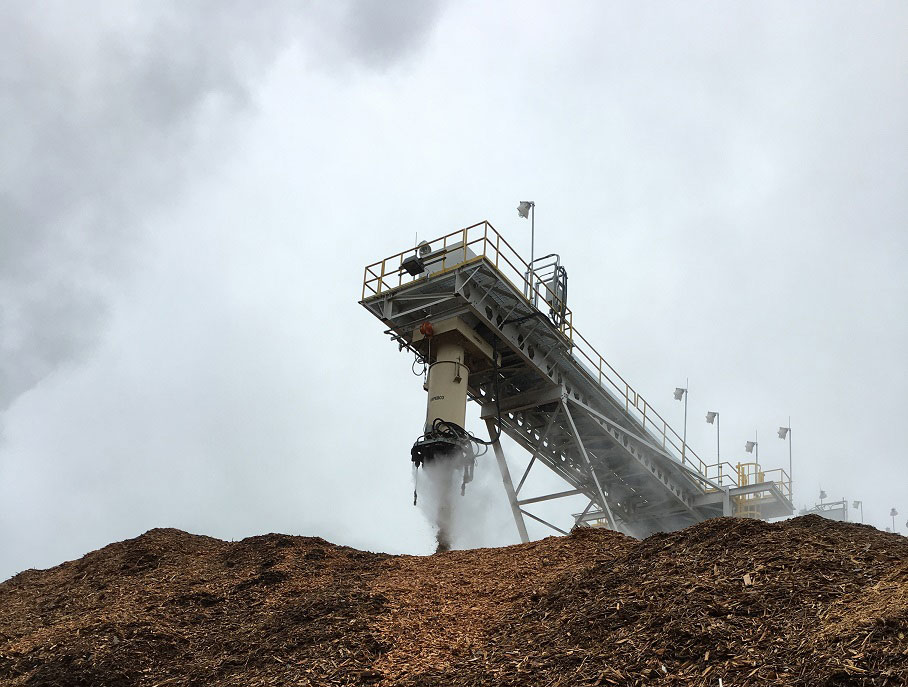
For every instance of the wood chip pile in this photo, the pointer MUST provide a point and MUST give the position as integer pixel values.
(805, 602)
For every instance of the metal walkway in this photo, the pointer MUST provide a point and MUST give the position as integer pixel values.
(559, 398)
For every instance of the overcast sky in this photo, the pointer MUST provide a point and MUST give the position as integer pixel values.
(189, 193)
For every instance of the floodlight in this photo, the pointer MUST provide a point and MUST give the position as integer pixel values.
(524, 211)
(783, 432)
(413, 264)
(424, 248)
(711, 417)
(893, 513)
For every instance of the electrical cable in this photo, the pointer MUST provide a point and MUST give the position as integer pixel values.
(416, 360)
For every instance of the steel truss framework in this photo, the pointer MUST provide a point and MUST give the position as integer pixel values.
(553, 405)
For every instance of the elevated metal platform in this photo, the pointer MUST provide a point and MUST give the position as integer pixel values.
(557, 397)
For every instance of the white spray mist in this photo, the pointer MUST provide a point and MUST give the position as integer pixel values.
(437, 487)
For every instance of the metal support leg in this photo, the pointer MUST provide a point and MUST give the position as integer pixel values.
(538, 449)
(525, 474)
(726, 502)
(589, 465)
(544, 522)
(583, 514)
(508, 484)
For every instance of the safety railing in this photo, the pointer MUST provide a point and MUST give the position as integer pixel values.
(781, 479)
(473, 243)
(482, 242)
(724, 473)
(742, 474)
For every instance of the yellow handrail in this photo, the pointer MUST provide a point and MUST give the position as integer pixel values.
(514, 269)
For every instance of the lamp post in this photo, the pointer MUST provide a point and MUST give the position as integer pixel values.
(786, 432)
(892, 514)
(751, 445)
(528, 208)
(859, 504)
(713, 416)
(679, 394)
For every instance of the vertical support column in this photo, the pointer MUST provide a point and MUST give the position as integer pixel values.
(447, 381)
(589, 465)
(508, 484)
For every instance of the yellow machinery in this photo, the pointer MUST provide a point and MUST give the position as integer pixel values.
(748, 505)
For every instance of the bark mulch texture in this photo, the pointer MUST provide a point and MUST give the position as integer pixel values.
(804, 602)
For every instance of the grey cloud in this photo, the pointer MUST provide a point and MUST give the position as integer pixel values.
(380, 33)
(98, 126)
(106, 111)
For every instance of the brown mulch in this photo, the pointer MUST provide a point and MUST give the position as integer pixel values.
(804, 602)
(441, 607)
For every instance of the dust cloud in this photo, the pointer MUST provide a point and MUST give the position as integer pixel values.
(479, 518)
(436, 489)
